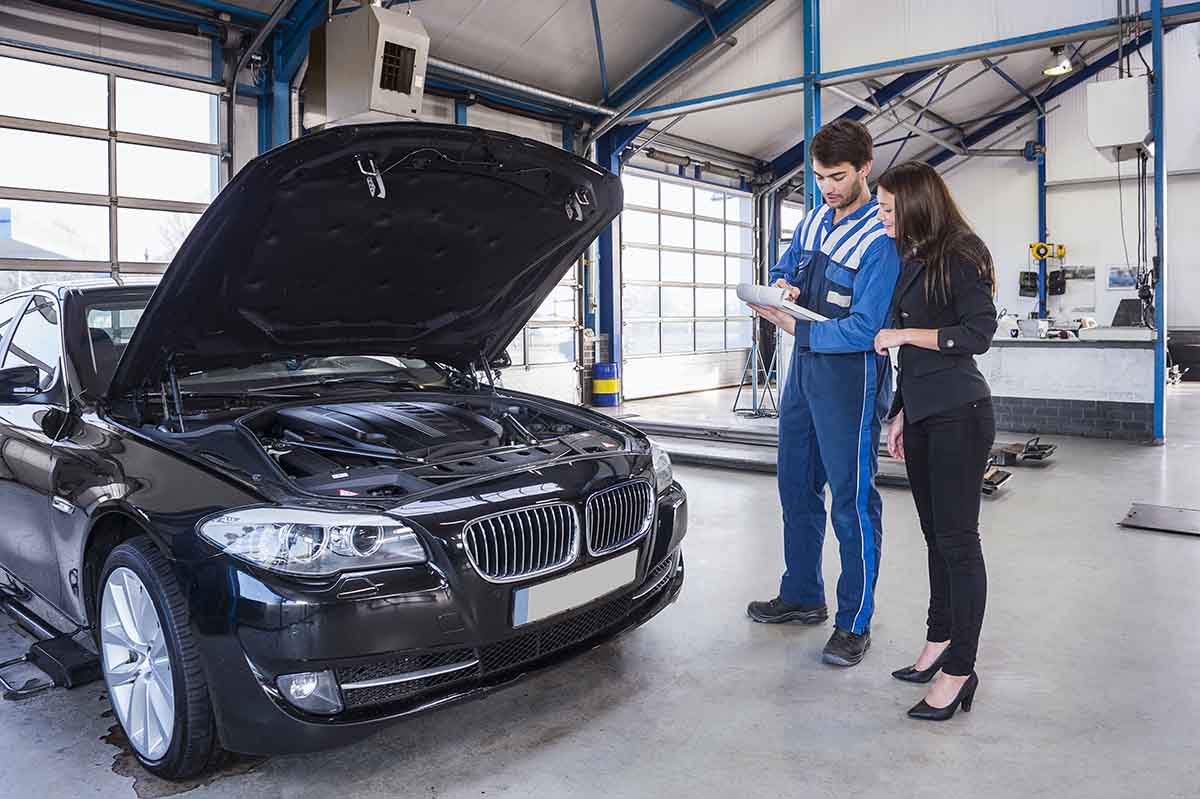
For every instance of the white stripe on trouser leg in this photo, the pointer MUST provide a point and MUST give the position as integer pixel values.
(858, 490)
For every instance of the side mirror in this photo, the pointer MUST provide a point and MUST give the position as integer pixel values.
(501, 361)
(19, 382)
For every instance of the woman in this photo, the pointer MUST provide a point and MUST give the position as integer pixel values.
(942, 423)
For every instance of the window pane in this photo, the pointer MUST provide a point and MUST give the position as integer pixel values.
(710, 302)
(36, 340)
(677, 337)
(710, 236)
(151, 235)
(677, 302)
(117, 322)
(738, 209)
(710, 203)
(738, 334)
(676, 197)
(676, 232)
(639, 264)
(161, 174)
(710, 269)
(640, 301)
(640, 191)
(8, 310)
(54, 163)
(677, 267)
(36, 91)
(739, 270)
(516, 349)
(166, 111)
(710, 336)
(739, 239)
(641, 338)
(15, 280)
(734, 306)
(558, 307)
(790, 218)
(551, 345)
(640, 227)
(56, 231)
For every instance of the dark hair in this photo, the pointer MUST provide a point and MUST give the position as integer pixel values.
(843, 140)
(930, 228)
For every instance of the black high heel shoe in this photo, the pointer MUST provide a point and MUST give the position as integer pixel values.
(966, 696)
(911, 674)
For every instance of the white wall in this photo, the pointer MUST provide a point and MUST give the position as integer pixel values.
(882, 30)
(999, 196)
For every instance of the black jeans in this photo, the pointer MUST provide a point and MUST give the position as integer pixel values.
(946, 457)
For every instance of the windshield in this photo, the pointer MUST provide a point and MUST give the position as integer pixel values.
(110, 326)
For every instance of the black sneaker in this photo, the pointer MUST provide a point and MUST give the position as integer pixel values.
(776, 611)
(845, 648)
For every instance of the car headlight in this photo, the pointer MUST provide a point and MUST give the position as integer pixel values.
(663, 475)
(313, 543)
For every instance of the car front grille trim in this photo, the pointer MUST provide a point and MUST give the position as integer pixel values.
(523, 544)
(619, 516)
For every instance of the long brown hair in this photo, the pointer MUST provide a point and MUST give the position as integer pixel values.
(930, 228)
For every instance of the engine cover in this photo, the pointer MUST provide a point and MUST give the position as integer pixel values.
(394, 426)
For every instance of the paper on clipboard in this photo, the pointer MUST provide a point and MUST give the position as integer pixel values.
(772, 297)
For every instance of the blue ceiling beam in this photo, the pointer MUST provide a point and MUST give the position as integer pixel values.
(695, 6)
(1034, 105)
(687, 45)
(600, 49)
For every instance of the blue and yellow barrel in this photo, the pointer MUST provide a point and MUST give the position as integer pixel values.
(606, 385)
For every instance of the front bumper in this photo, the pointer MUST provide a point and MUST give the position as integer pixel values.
(373, 643)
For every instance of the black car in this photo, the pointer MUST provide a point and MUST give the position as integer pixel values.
(282, 489)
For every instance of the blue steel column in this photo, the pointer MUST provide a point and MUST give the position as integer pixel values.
(1041, 190)
(812, 90)
(608, 156)
(1160, 223)
(460, 112)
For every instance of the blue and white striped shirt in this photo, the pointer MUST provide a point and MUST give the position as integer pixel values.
(846, 271)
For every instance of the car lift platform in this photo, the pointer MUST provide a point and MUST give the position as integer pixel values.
(749, 449)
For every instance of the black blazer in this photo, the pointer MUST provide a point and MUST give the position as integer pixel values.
(931, 381)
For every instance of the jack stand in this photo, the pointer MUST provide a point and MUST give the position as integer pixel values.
(758, 402)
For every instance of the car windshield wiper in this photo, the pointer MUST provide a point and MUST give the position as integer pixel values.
(337, 381)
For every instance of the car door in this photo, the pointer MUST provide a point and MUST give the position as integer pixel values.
(27, 548)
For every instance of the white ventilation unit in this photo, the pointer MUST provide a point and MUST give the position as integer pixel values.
(365, 66)
(1118, 113)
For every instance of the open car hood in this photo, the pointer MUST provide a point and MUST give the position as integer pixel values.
(429, 241)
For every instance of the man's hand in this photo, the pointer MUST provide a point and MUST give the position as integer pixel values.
(895, 437)
(792, 294)
(780, 319)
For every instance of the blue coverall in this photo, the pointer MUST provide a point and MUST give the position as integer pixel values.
(835, 396)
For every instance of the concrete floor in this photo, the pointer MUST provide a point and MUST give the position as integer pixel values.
(1087, 666)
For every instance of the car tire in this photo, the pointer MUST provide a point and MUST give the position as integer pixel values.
(163, 670)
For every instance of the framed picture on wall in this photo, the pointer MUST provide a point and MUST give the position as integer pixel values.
(1122, 278)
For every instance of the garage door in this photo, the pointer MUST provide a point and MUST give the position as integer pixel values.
(685, 246)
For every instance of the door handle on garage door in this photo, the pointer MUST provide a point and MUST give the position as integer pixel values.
(61, 504)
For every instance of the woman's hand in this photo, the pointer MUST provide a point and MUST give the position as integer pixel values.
(895, 437)
(889, 338)
(783, 321)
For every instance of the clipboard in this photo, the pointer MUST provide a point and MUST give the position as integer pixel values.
(773, 297)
